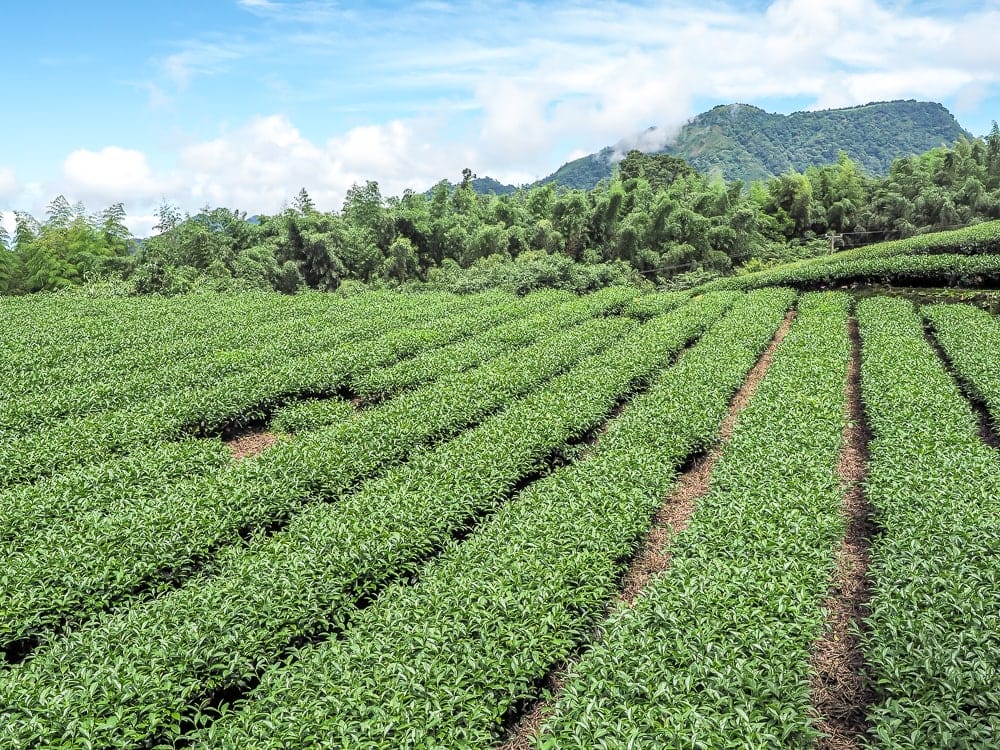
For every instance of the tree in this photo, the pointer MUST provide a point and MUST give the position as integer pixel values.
(9, 262)
(59, 212)
(993, 155)
(660, 170)
(315, 242)
(791, 202)
(303, 203)
(570, 216)
(363, 208)
(605, 216)
(400, 263)
(411, 218)
(168, 216)
(112, 224)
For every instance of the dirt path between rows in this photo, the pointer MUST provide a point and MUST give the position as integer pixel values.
(653, 556)
(840, 693)
(674, 515)
(251, 444)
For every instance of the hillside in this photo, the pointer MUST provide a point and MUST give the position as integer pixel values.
(743, 142)
(483, 186)
(229, 521)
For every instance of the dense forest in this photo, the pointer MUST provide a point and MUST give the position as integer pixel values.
(742, 142)
(656, 219)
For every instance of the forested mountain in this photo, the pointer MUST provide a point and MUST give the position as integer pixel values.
(658, 218)
(483, 186)
(742, 142)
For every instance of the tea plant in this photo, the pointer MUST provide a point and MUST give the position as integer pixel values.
(971, 339)
(933, 640)
(452, 654)
(169, 535)
(307, 578)
(715, 652)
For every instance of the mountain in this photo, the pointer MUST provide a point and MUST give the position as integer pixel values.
(743, 142)
(489, 186)
(483, 186)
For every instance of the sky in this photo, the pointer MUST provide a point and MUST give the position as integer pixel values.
(240, 103)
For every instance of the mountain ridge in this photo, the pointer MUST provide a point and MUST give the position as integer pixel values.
(745, 142)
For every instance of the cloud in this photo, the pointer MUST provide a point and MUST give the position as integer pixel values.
(8, 222)
(262, 164)
(522, 85)
(141, 226)
(9, 185)
(512, 92)
(969, 97)
(295, 11)
(111, 174)
(202, 57)
(650, 140)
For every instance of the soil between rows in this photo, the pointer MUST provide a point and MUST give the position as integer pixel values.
(840, 692)
(251, 444)
(653, 556)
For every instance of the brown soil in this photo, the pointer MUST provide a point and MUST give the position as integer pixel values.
(674, 514)
(840, 694)
(653, 556)
(251, 444)
(523, 735)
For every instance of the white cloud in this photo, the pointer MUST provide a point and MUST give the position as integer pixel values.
(8, 222)
(201, 58)
(921, 83)
(514, 96)
(593, 87)
(141, 226)
(9, 185)
(296, 11)
(262, 165)
(111, 174)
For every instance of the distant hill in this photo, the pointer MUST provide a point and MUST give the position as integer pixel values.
(484, 186)
(743, 142)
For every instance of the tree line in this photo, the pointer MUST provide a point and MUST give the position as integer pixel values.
(656, 219)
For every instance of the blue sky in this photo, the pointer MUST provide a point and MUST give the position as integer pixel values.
(242, 102)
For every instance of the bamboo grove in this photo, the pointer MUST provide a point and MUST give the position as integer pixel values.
(656, 220)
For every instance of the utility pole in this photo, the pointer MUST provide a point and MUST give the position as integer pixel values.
(833, 240)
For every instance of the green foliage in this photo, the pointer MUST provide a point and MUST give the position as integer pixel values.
(65, 250)
(659, 170)
(655, 218)
(530, 271)
(971, 339)
(426, 501)
(46, 588)
(961, 257)
(327, 465)
(311, 414)
(248, 373)
(932, 639)
(481, 498)
(515, 596)
(718, 647)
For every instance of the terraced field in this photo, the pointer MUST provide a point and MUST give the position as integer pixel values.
(728, 519)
